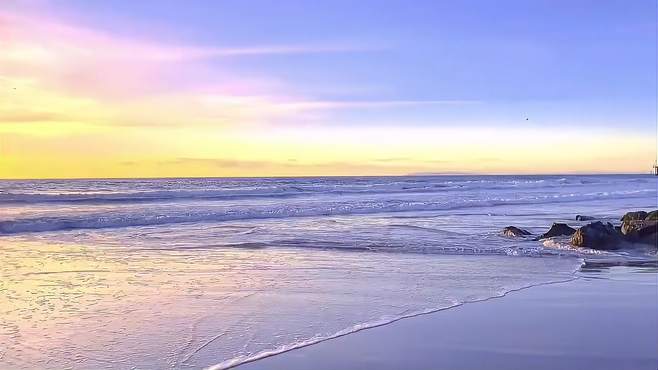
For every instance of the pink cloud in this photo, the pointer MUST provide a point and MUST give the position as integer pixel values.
(150, 82)
(81, 60)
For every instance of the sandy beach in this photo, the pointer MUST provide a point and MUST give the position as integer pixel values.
(605, 319)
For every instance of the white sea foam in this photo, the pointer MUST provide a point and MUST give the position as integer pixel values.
(564, 244)
(243, 359)
(84, 217)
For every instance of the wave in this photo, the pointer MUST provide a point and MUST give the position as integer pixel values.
(469, 246)
(426, 229)
(175, 215)
(628, 253)
(386, 320)
(139, 197)
(171, 190)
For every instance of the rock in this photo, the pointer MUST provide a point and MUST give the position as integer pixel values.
(639, 215)
(597, 235)
(627, 227)
(641, 231)
(557, 229)
(513, 231)
(584, 218)
(638, 227)
(652, 216)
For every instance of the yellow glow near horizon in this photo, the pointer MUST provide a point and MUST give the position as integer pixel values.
(167, 152)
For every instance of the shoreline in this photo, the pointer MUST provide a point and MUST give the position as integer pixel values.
(329, 176)
(399, 339)
(226, 365)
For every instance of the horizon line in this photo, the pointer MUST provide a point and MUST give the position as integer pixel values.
(337, 176)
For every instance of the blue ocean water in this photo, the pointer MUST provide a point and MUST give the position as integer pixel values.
(194, 273)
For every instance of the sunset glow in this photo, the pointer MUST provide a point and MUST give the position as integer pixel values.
(83, 99)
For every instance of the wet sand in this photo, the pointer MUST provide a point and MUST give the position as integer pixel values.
(605, 319)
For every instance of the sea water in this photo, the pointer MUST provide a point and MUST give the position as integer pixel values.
(211, 273)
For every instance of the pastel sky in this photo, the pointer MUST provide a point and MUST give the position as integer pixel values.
(300, 88)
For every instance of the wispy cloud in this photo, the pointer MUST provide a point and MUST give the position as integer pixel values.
(392, 159)
(220, 163)
(78, 41)
(79, 60)
(27, 117)
(283, 166)
(210, 52)
(65, 72)
(412, 160)
(328, 105)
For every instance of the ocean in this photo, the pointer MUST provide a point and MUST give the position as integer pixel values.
(211, 273)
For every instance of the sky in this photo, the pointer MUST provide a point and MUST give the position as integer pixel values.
(303, 88)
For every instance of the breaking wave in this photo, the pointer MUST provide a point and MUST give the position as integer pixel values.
(171, 214)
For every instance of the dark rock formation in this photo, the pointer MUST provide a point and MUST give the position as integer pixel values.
(641, 231)
(652, 216)
(557, 229)
(639, 215)
(584, 218)
(597, 235)
(513, 231)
